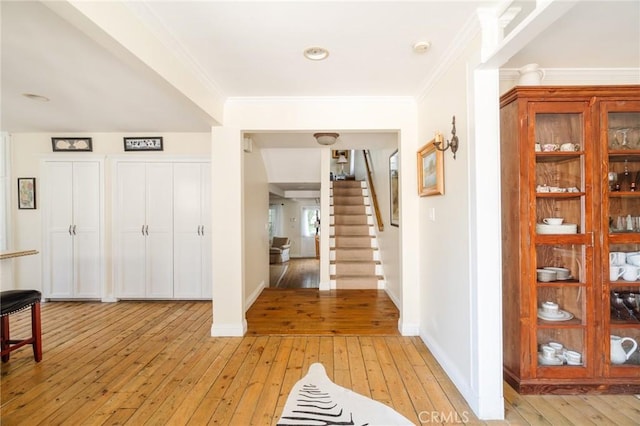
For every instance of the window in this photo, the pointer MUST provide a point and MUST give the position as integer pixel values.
(310, 221)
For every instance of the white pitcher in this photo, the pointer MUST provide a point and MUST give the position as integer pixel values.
(530, 75)
(618, 354)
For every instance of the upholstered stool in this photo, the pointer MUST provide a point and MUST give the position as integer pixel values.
(12, 301)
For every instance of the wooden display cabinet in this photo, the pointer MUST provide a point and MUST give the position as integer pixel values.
(570, 153)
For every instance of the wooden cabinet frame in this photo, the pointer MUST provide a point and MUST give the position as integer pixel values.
(574, 185)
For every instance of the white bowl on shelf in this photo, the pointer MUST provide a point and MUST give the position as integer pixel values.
(565, 228)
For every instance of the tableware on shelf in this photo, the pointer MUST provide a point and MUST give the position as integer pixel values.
(550, 308)
(569, 147)
(634, 259)
(548, 352)
(617, 258)
(561, 273)
(559, 316)
(545, 275)
(549, 147)
(631, 272)
(549, 361)
(618, 354)
(573, 358)
(553, 220)
(565, 228)
(615, 272)
(537, 147)
(558, 347)
(557, 189)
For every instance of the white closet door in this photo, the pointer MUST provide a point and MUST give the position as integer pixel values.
(159, 230)
(131, 219)
(59, 273)
(87, 211)
(187, 230)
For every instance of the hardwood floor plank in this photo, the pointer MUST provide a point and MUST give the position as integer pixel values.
(359, 380)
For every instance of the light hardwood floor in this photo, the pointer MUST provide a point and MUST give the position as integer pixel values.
(155, 363)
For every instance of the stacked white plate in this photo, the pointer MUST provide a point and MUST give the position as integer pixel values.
(561, 273)
(565, 228)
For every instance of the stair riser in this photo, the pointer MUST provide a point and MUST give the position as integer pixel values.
(351, 220)
(353, 242)
(357, 254)
(342, 192)
(349, 210)
(349, 269)
(358, 283)
(348, 201)
(352, 230)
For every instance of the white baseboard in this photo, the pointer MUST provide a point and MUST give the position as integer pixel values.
(229, 330)
(253, 296)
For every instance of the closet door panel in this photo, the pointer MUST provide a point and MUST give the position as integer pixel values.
(87, 271)
(188, 265)
(160, 265)
(60, 273)
(131, 271)
(59, 200)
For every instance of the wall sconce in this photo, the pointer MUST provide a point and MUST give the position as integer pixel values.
(454, 140)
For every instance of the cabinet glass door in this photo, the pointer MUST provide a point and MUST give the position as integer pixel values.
(563, 237)
(620, 134)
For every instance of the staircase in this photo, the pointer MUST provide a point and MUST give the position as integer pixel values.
(354, 257)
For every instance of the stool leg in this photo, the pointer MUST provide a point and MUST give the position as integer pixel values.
(36, 332)
(4, 339)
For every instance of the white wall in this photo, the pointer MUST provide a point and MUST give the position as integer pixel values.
(453, 324)
(256, 219)
(28, 149)
(292, 164)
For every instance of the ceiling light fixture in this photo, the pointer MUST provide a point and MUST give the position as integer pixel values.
(316, 53)
(421, 47)
(35, 97)
(326, 138)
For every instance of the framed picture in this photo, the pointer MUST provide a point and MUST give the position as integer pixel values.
(27, 193)
(393, 188)
(143, 144)
(337, 153)
(72, 144)
(430, 170)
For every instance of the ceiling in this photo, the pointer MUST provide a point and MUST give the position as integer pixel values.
(255, 49)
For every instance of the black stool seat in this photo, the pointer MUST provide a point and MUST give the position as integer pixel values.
(12, 301)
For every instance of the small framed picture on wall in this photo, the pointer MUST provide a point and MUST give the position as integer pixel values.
(27, 193)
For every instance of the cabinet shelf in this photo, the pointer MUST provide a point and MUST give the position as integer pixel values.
(546, 157)
(623, 194)
(561, 195)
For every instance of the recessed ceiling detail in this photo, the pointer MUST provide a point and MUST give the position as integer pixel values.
(35, 97)
(316, 53)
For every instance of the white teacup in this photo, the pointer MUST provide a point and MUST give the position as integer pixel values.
(556, 347)
(537, 147)
(631, 272)
(573, 357)
(615, 272)
(548, 352)
(569, 147)
(550, 308)
(549, 147)
(553, 220)
(634, 259)
(617, 258)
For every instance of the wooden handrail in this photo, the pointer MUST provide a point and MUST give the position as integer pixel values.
(372, 189)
